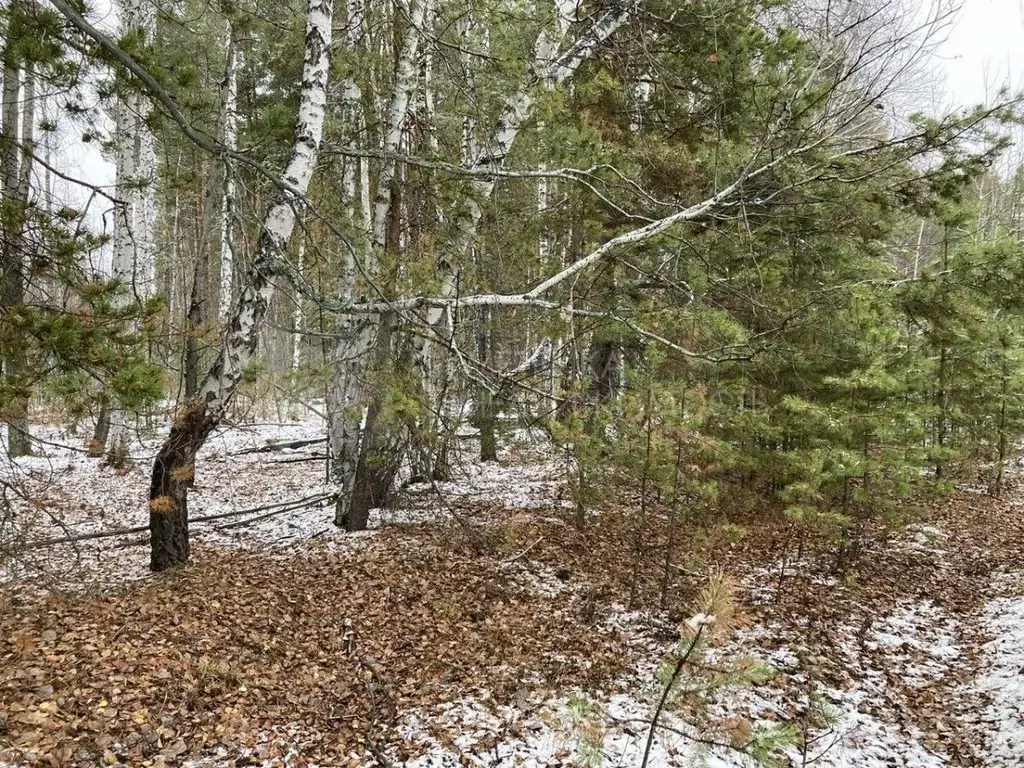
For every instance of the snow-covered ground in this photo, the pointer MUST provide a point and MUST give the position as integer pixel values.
(998, 690)
(69, 493)
(822, 725)
(847, 723)
(66, 493)
(859, 724)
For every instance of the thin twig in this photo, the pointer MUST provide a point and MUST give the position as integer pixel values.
(680, 663)
(523, 553)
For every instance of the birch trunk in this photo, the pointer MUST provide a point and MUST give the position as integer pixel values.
(214, 238)
(135, 220)
(406, 71)
(552, 67)
(345, 407)
(350, 106)
(549, 403)
(353, 421)
(175, 462)
(297, 317)
(229, 138)
(16, 167)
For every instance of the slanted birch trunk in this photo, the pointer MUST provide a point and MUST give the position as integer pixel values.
(552, 67)
(175, 462)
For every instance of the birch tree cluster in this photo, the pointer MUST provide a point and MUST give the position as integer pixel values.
(706, 246)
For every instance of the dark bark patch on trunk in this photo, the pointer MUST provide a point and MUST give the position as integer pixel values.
(173, 471)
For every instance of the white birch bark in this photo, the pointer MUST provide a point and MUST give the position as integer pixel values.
(171, 469)
(406, 71)
(356, 335)
(427, 104)
(297, 317)
(135, 220)
(246, 322)
(344, 396)
(550, 69)
(229, 138)
(344, 409)
(355, 177)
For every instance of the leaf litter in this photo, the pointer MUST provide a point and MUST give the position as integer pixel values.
(288, 643)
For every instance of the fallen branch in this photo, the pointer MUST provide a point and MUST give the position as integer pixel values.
(280, 446)
(298, 505)
(301, 459)
(83, 537)
(145, 528)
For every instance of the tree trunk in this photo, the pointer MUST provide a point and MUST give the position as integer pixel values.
(485, 405)
(297, 315)
(229, 138)
(346, 409)
(194, 322)
(17, 164)
(605, 358)
(134, 218)
(94, 450)
(554, 64)
(353, 438)
(175, 462)
(346, 391)
(210, 296)
(379, 455)
(173, 471)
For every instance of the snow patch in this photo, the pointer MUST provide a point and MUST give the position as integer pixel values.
(1000, 686)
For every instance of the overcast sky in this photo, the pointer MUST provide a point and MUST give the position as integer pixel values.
(984, 50)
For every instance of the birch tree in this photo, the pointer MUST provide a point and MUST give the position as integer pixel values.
(175, 462)
(135, 217)
(353, 421)
(215, 251)
(665, 164)
(229, 138)
(556, 58)
(344, 404)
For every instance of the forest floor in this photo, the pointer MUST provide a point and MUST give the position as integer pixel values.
(477, 624)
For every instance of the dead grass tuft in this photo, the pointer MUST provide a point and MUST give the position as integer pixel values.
(162, 505)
